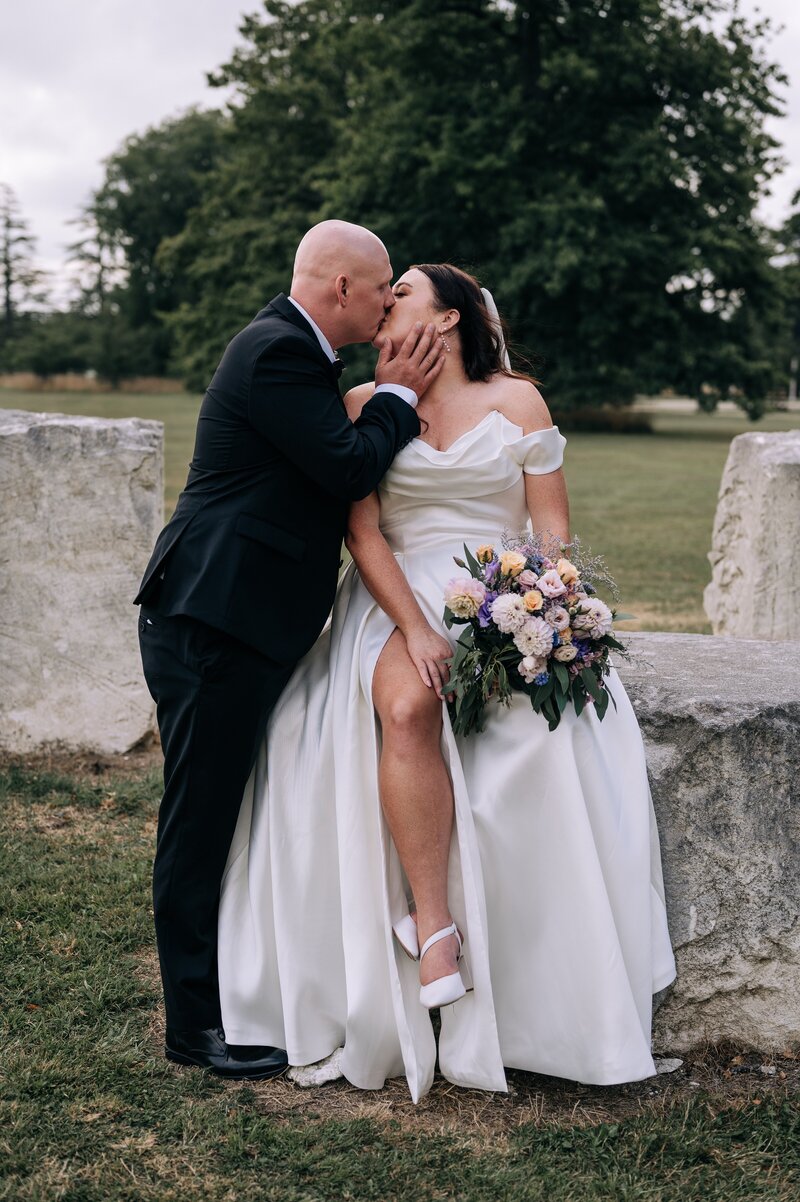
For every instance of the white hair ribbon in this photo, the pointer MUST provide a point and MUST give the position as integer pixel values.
(495, 316)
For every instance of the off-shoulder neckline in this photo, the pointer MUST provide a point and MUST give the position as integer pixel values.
(492, 413)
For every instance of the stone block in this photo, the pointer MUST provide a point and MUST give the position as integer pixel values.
(721, 724)
(755, 550)
(82, 503)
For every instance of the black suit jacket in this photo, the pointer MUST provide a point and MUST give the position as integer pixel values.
(254, 543)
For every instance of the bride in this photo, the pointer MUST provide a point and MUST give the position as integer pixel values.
(529, 858)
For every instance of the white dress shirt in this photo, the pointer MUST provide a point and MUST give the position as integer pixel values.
(405, 394)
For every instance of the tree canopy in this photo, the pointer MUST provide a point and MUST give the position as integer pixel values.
(596, 164)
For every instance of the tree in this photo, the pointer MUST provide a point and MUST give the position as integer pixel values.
(54, 342)
(100, 275)
(789, 348)
(597, 164)
(151, 185)
(21, 279)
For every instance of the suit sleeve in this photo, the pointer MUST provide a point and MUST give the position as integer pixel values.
(294, 404)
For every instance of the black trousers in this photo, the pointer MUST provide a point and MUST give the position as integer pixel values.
(214, 696)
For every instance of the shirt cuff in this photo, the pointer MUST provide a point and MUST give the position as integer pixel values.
(405, 394)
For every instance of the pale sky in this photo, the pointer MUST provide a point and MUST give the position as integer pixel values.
(77, 78)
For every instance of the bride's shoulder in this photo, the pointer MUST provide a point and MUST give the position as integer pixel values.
(356, 398)
(521, 402)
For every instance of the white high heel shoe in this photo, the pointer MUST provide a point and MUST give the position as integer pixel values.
(405, 932)
(444, 990)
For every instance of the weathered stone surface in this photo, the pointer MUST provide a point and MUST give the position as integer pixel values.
(81, 507)
(755, 550)
(721, 723)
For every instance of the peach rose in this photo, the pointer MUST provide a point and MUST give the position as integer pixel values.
(533, 600)
(565, 653)
(485, 553)
(567, 571)
(512, 563)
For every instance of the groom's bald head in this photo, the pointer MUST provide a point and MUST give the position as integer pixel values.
(337, 247)
(342, 277)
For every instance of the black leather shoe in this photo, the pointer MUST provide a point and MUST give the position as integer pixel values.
(208, 1049)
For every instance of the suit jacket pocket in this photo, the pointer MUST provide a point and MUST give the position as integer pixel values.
(271, 536)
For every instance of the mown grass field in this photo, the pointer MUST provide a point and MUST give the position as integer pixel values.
(645, 502)
(91, 1112)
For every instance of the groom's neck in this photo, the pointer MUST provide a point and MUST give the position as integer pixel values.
(319, 314)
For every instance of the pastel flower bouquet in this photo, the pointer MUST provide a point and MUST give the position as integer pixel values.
(533, 625)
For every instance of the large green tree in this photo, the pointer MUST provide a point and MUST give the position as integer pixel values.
(596, 163)
(151, 186)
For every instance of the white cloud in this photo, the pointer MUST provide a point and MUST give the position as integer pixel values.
(76, 79)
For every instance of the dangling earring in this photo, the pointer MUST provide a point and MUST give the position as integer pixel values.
(445, 343)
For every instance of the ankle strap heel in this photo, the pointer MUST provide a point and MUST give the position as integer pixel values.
(444, 990)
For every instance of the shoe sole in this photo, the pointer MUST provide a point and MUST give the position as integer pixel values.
(260, 1075)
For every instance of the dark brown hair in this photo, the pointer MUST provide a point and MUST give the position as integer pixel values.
(481, 345)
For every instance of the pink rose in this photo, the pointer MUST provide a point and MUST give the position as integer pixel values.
(527, 580)
(551, 584)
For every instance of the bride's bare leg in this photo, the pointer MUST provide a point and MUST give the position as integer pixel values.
(416, 794)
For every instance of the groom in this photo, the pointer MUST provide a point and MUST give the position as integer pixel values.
(243, 577)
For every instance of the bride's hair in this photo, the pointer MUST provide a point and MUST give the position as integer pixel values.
(481, 342)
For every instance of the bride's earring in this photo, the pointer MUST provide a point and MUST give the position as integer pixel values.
(445, 343)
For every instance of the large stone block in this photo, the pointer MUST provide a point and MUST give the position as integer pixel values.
(755, 549)
(721, 723)
(82, 503)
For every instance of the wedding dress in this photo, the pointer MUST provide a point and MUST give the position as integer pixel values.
(554, 874)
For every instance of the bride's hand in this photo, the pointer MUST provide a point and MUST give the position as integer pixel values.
(429, 652)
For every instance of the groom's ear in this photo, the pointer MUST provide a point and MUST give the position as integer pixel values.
(342, 285)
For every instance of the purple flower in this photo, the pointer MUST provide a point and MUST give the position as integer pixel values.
(491, 570)
(485, 611)
(542, 678)
(582, 647)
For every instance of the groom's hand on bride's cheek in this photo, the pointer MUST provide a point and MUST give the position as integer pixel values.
(416, 364)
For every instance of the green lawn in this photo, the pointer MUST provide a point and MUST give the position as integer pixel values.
(91, 1112)
(645, 502)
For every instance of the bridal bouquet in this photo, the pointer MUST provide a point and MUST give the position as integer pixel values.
(533, 625)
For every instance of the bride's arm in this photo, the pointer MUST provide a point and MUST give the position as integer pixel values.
(385, 581)
(546, 495)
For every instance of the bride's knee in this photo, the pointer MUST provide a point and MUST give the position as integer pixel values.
(413, 716)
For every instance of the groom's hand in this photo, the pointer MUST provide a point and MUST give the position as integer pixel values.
(416, 365)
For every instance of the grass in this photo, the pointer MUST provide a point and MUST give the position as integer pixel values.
(91, 1112)
(645, 502)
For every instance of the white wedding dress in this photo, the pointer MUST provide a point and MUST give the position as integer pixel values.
(555, 872)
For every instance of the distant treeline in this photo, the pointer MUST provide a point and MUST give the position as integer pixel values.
(597, 165)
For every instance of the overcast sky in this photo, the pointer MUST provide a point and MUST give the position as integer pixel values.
(76, 78)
